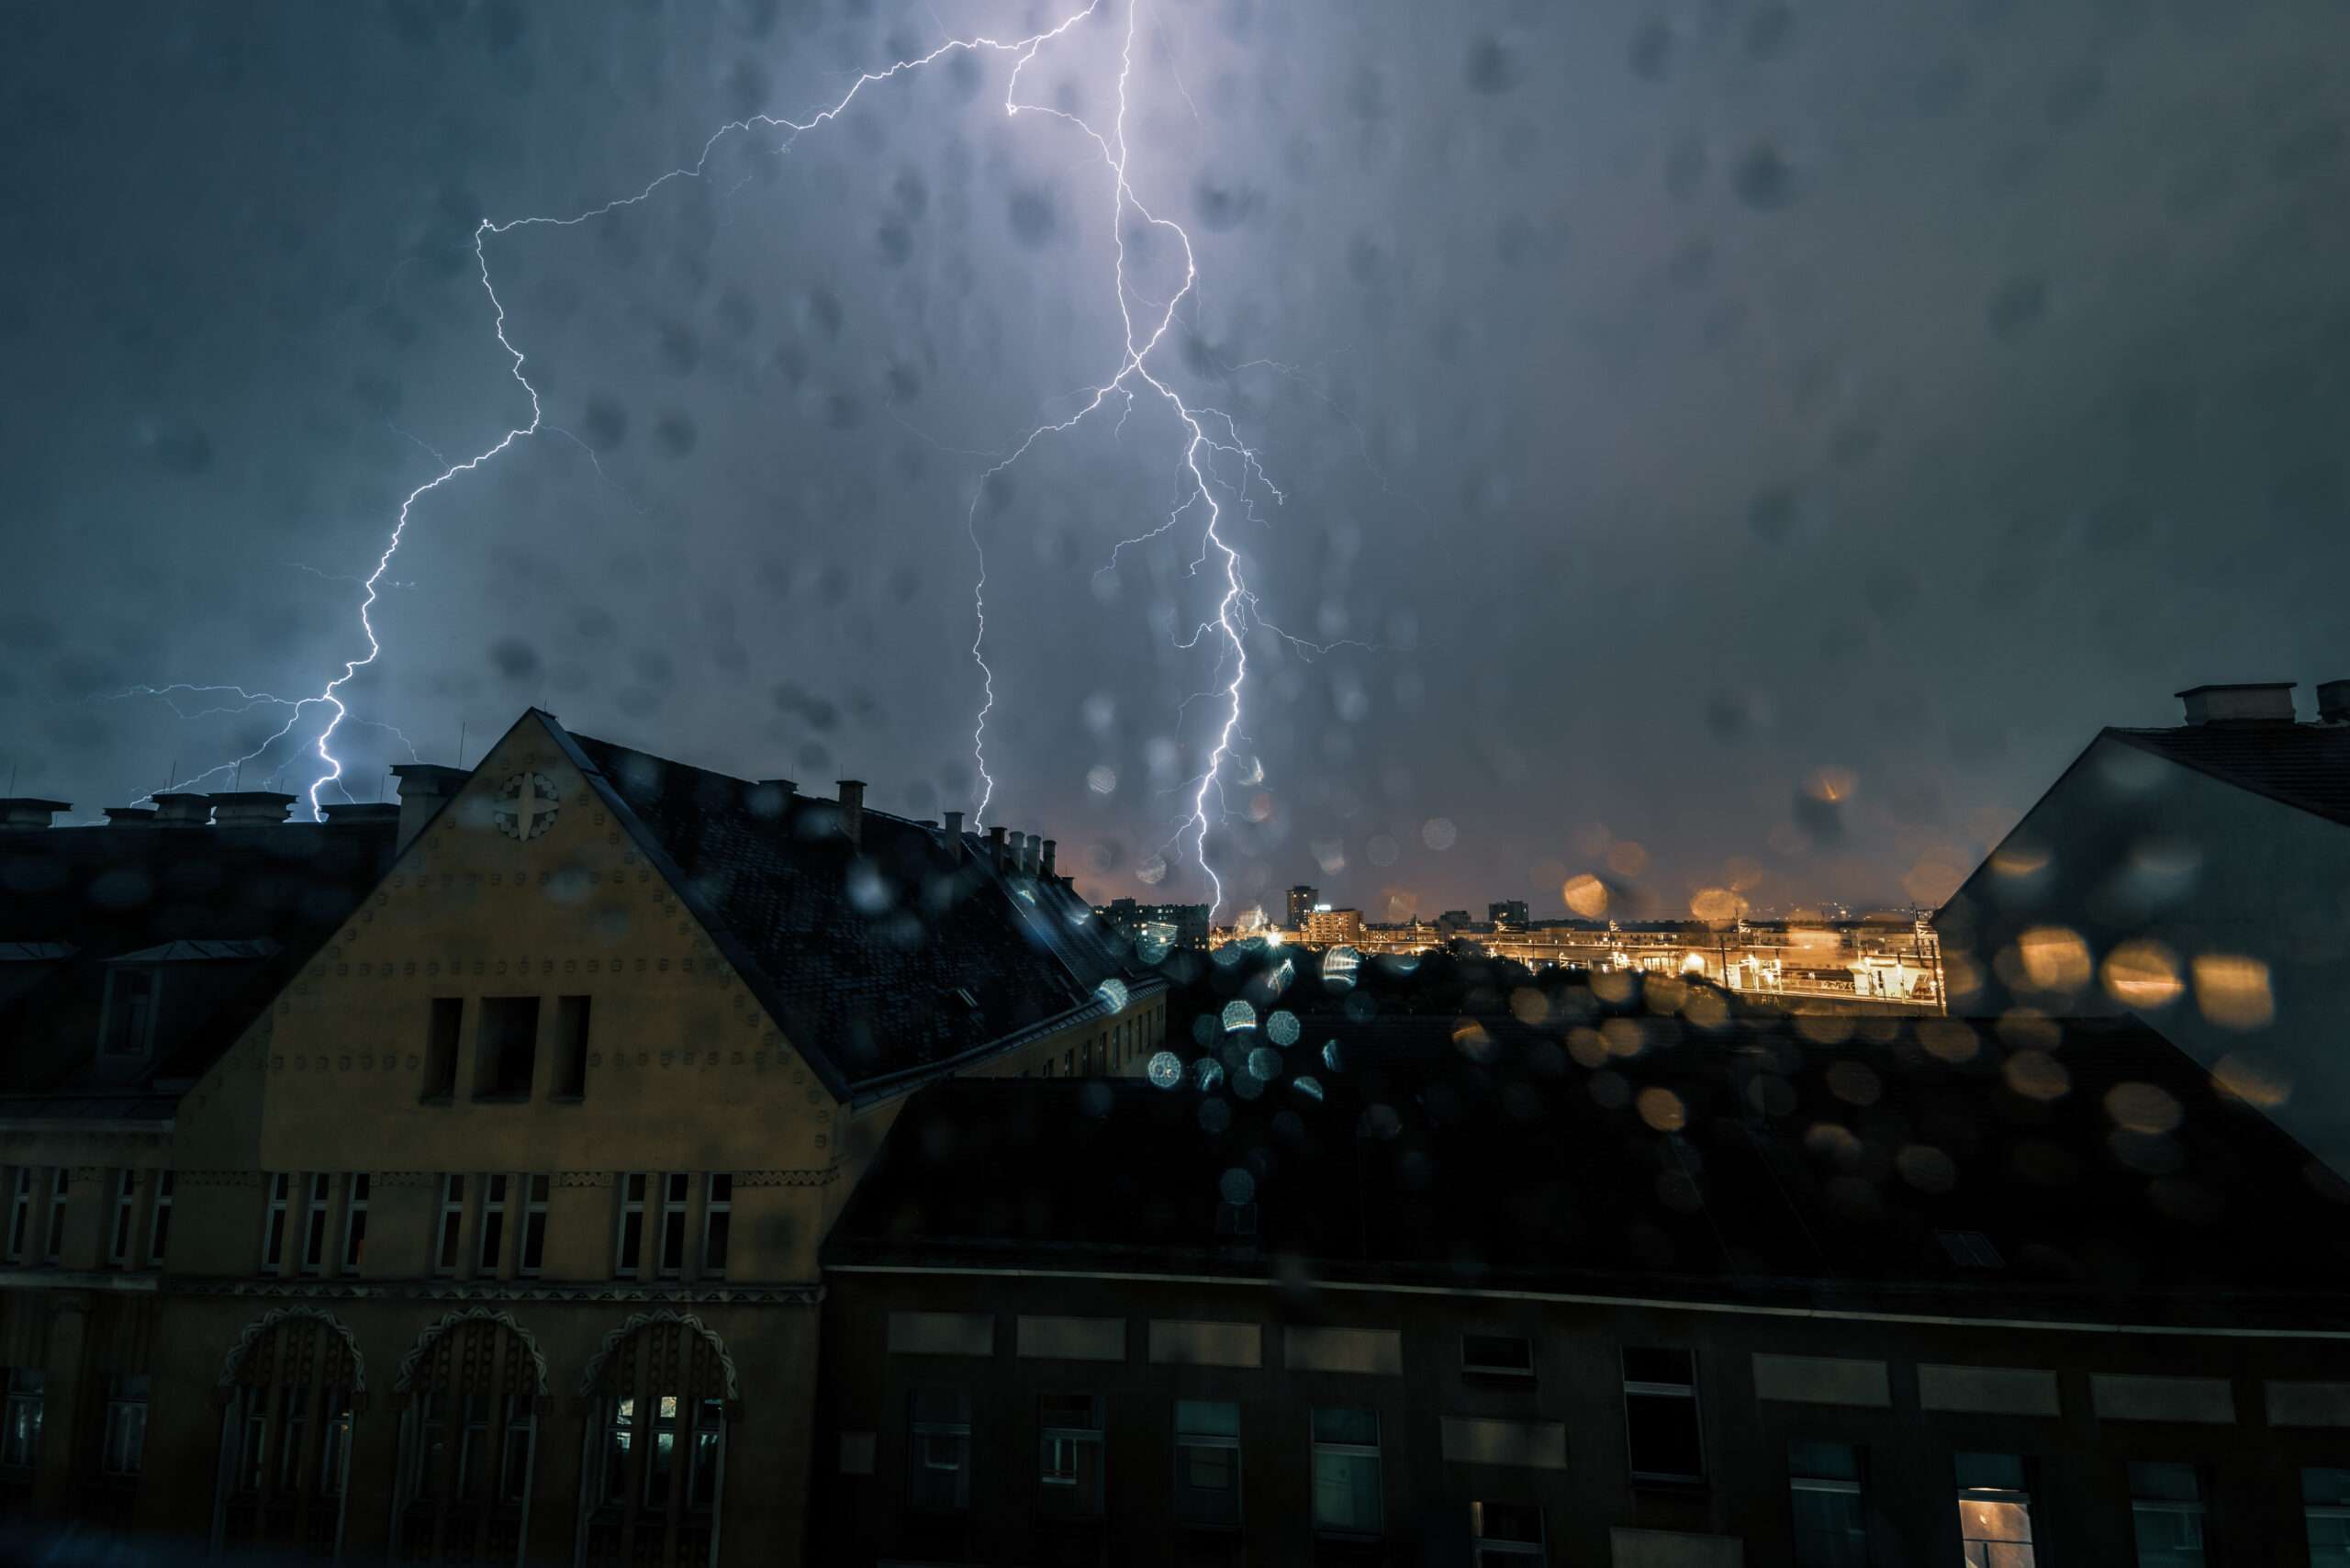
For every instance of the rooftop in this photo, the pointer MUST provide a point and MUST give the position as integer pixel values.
(1926, 1165)
(2304, 765)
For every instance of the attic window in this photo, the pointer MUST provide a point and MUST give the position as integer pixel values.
(1970, 1250)
(128, 1028)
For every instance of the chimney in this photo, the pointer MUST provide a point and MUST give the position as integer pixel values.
(181, 809)
(853, 809)
(955, 838)
(1049, 858)
(1028, 842)
(425, 787)
(251, 808)
(352, 814)
(2334, 701)
(130, 816)
(996, 853)
(2255, 702)
(21, 812)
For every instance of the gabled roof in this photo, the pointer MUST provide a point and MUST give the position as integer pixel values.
(257, 901)
(881, 960)
(2303, 766)
(2080, 1168)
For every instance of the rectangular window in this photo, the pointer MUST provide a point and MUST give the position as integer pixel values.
(354, 1220)
(292, 1421)
(314, 1226)
(253, 1445)
(1347, 1479)
(506, 1047)
(939, 1431)
(570, 1048)
(661, 1453)
(1824, 1490)
(52, 1241)
(159, 1228)
(1660, 1424)
(445, 1253)
(334, 1443)
(493, 1224)
(1069, 1472)
(440, 1048)
(473, 1440)
(717, 1223)
(620, 1442)
(273, 1225)
(514, 1449)
(20, 1419)
(20, 1211)
(1508, 1535)
(534, 1227)
(701, 1472)
(126, 1214)
(129, 1011)
(123, 1451)
(2325, 1505)
(628, 1243)
(673, 1224)
(2166, 1509)
(1994, 1511)
(1497, 1355)
(1208, 1463)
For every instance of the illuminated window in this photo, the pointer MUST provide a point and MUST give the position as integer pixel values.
(1994, 1511)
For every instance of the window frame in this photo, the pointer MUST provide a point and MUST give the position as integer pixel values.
(676, 1200)
(449, 1225)
(124, 1218)
(1483, 1547)
(159, 1220)
(126, 1412)
(1803, 1481)
(1374, 1450)
(356, 1190)
(531, 1237)
(918, 1449)
(1056, 1439)
(152, 975)
(20, 1214)
(1651, 1388)
(717, 1222)
(1194, 1437)
(316, 1212)
(1500, 1371)
(489, 1225)
(52, 1240)
(23, 1390)
(278, 1195)
(627, 1251)
(2019, 1496)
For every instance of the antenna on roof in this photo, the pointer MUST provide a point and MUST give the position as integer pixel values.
(173, 778)
(460, 743)
(236, 779)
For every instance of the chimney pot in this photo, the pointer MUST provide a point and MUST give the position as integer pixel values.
(955, 838)
(2250, 702)
(425, 787)
(2334, 701)
(130, 816)
(1049, 844)
(996, 853)
(181, 809)
(853, 809)
(21, 812)
(251, 808)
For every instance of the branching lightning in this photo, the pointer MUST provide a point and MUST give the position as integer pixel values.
(1209, 436)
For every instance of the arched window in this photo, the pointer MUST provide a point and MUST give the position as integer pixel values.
(471, 1393)
(659, 1395)
(289, 1392)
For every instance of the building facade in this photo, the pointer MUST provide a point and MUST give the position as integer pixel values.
(479, 1221)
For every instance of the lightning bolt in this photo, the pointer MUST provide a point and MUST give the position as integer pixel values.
(1207, 433)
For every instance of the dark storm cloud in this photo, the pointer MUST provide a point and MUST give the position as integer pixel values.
(1736, 442)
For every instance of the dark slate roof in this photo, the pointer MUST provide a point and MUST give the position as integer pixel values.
(1774, 1163)
(2307, 766)
(254, 902)
(880, 959)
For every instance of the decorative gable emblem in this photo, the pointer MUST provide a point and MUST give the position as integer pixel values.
(526, 807)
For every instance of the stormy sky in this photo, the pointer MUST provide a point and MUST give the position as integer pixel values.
(1726, 443)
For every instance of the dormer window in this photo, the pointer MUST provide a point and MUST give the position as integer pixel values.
(128, 1028)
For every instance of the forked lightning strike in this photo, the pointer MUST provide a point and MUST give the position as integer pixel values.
(1208, 433)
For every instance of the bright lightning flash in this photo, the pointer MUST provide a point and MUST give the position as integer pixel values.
(1208, 433)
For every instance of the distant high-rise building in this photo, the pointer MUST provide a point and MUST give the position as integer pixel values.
(1508, 914)
(1331, 927)
(1453, 921)
(1301, 900)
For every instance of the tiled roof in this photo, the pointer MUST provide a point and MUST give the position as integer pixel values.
(877, 959)
(1748, 1160)
(2307, 766)
(261, 899)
